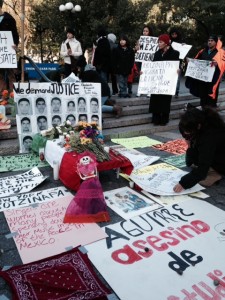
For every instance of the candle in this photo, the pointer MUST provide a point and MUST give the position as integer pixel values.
(55, 170)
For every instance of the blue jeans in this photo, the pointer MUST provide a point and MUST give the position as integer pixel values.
(106, 108)
(122, 82)
(103, 75)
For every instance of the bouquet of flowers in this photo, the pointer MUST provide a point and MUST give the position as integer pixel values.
(82, 137)
(8, 98)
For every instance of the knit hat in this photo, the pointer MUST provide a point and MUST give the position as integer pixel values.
(213, 37)
(112, 37)
(165, 38)
(70, 30)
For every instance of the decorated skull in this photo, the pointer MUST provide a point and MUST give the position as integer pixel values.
(85, 160)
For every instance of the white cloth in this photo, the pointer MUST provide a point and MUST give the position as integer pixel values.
(53, 152)
(75, 48)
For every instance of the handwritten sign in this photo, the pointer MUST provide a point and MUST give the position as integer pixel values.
(41, 232)
(43, 105)
(136, 142)
(20, 162)
(22, 183)
(8, 57)
(200, 69)
(160, 179)
(148, 45)
(27, 199)
(182, 48)
(142, 258)
(138, 159)
(158, 77)
(127, 203)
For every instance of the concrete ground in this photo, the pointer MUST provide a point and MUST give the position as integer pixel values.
(9, 255)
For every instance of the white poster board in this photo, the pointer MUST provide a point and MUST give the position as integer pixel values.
(137, 159)
(148, 45)
(182, 48)
(160, 179)
(8, 59)
(158, 77)
(200, 69)
(21, 183)
(143, 258)
(43, 105)
(34, 198)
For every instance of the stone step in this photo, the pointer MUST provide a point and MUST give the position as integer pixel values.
(9, 134)
(9, 147)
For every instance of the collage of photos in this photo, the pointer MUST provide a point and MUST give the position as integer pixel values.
(36, 113)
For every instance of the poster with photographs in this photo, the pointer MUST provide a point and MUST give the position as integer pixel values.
(43, 105)
(128, 203)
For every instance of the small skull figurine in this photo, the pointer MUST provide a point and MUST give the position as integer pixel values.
(87, 165)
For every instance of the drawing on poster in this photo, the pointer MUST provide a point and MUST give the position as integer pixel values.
(128, 203)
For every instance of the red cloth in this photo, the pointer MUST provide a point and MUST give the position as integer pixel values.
(88, 205)
(68, 168)
(176, 146)
(64, 276)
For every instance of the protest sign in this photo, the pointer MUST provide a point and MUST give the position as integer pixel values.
(127, 203)
(148, 45)
(200, 69)
(22, 183)
(178, 146)
(21, 162)
(36, 198)
(173, 253)
(158, 77)
(138, 159)
(43, 105)
(8, 57)
(182, 48)
(160, 179)
(169, 200)
(136, 142)
(41, 232)
(175, 160)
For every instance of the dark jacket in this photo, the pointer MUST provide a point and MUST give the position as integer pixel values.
(102, 55)
(123, 60)
(93, 76)
(8, 23)
(161, 103)
(206, 151)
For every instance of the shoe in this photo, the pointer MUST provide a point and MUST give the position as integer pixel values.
(212, 177)
(118, 110)
(127, 96)
(177, 95)
(138, 95)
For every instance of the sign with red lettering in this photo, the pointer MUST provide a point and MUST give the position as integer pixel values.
(173, 253)
(40, 231)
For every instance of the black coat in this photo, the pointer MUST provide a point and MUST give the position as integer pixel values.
(206, 151)
(102, 55)
(123, 60)
(8, 23)
(161, 103)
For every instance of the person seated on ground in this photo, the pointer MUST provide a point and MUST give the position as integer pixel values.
(91, 75)
(204, 131)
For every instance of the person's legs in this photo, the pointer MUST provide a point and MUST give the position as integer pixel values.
(129, 87)
(104, 75)
(178, 84)
(122, 86)
(211, 178)
(164, 118)
(2, 80)
(114, 84)
(156, 118)
(67, 70)
(11, 78)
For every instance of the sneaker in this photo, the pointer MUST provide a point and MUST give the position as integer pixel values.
(212, 177)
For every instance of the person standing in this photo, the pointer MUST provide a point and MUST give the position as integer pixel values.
(175, 36)
(207, 97)
(113, 45)
(102, 54)
(8, 23)
(70, 51)
(160, 104)
(123, 61)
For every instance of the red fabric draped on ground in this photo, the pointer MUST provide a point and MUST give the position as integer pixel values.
(88, 205)
(68, 168)
(65, 276)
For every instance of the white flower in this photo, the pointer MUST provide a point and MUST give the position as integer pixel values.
(43, 132)
(68, 136)
(68, 122)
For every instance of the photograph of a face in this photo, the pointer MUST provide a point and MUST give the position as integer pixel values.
(128, 203)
